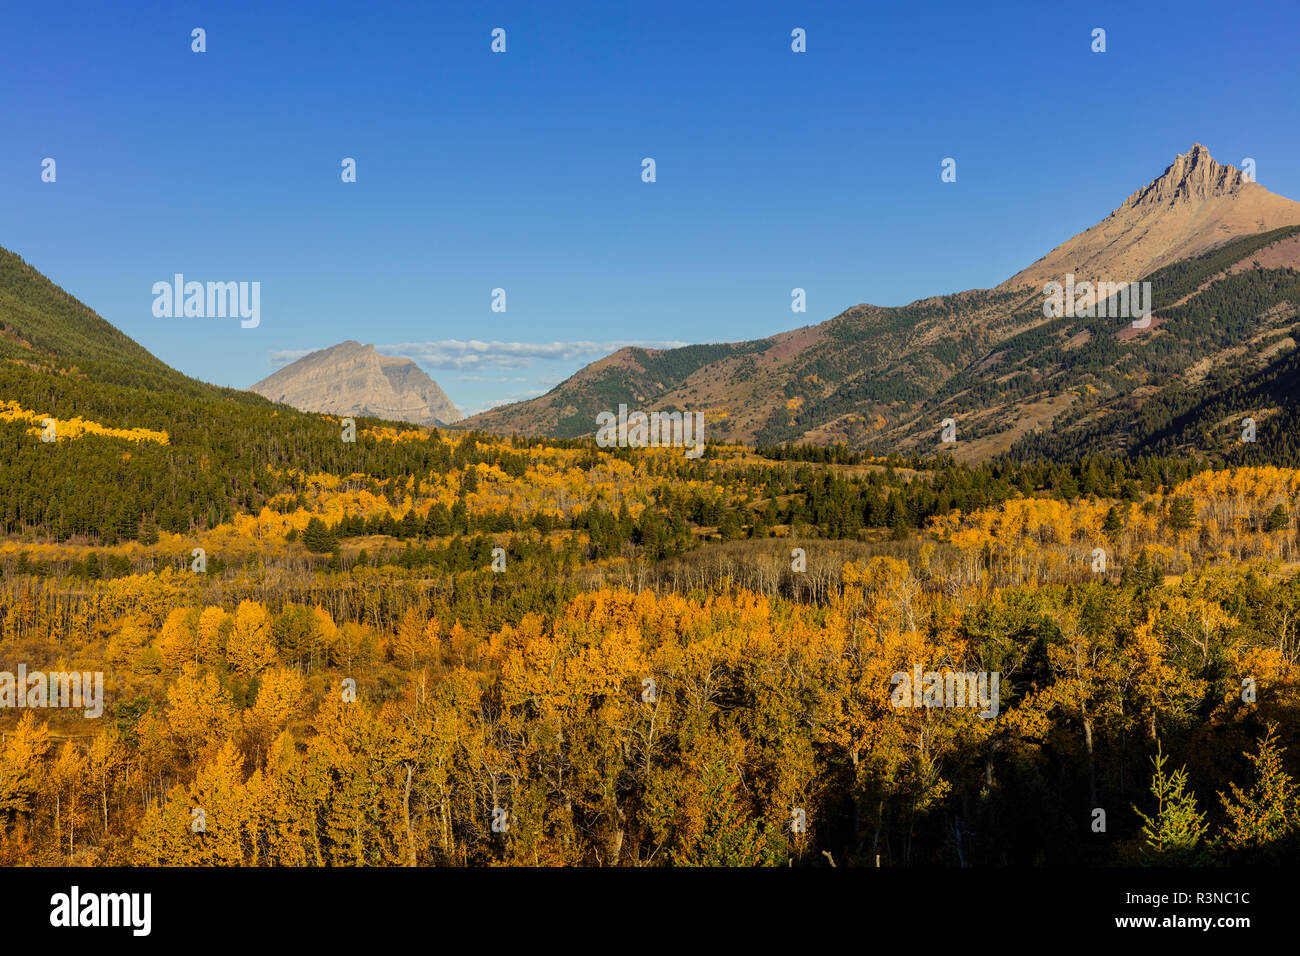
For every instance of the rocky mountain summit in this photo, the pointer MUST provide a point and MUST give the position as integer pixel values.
(1196, 205)
(1192, 175)
(353, 379)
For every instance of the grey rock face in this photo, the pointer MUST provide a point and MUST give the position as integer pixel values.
(353, 379)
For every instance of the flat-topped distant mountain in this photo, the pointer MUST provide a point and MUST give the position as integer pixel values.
(353, 379)
(1221, 253)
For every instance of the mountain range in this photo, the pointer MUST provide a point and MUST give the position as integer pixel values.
(1219, 249)
(1222, 255)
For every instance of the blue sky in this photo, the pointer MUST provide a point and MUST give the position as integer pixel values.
(522, 170)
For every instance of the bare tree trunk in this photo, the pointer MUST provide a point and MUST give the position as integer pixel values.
(1092, 768)
(406, 810)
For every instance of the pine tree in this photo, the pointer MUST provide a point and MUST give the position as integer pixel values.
(731, 527)
(1264, 821)
(1182, 513)
(149, 531)
(318, 538)
(1112, 526)
(1278, 519)
(1173, 836)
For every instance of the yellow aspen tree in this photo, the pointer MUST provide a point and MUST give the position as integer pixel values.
(280, 697)
(325, 634)
(126, 643)
(22, 762)
(286, 805)
(103, 763)
(214, 623)
(212, 822)
(409, 639)
(165, 836)
(178, 641)
(250, 648)
(66, 780)
(228, 835)
(199, 711)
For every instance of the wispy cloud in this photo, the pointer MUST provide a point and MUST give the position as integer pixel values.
(453, 354)
(495, 365)
(507, 399)
(473, 354)
(484, 378)
(282, 357)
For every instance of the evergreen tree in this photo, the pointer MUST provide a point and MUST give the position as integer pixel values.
(148, 531)
(1264, 821)
(1112, 526)
(1182, 512)
(1278, 519)
(1173, 836)
(318, 538)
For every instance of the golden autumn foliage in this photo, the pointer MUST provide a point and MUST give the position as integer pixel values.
(399, 717)
(249, 648)
(73, 428)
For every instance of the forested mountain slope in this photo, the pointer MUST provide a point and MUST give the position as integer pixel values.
(1220, 251)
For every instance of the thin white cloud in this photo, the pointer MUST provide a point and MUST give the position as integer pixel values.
(507, 399)
(279, 359)
(455, 355)
(474, 354)
(477, 360)
(483, 378)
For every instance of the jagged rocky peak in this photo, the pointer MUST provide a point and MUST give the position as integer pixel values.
(1193, 175)
(1194, 206)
